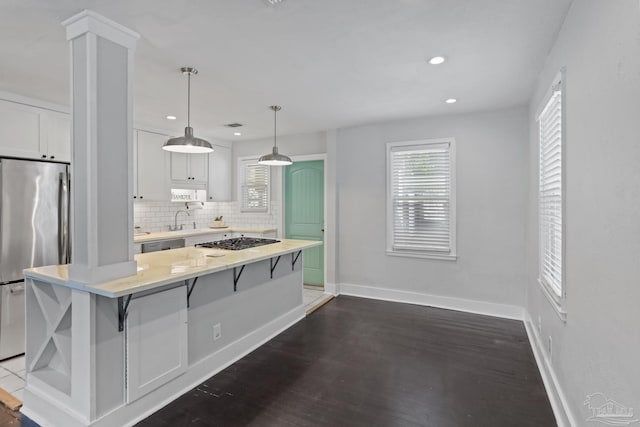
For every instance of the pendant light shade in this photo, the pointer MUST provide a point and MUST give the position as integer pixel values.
(188, 143)
(275, 158)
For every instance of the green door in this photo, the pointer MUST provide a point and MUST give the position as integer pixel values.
(304, 214)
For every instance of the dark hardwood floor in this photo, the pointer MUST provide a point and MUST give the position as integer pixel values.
(360, 362)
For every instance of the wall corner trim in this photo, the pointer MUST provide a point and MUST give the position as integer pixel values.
(331, 288)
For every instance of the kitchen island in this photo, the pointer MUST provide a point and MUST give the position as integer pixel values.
(112, 353)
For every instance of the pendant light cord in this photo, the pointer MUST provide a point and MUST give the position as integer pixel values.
(189, 100)
(275, 123)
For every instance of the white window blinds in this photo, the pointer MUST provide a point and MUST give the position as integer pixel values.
(550, 193)
(254, 187)
(421, 212)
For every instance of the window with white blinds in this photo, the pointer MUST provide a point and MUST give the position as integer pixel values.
(421, 198)
(550, 193)
(254, 186)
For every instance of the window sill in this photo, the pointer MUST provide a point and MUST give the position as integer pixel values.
(554, 301)
(424, 255)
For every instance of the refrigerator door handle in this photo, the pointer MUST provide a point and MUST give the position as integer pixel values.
(67, 226)
(60, 218)
(63, 219)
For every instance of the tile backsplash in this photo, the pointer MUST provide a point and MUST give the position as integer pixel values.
(157, 216)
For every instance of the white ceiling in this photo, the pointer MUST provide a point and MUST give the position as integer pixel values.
(330, 64)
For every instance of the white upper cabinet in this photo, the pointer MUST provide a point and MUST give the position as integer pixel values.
(34, 133)
(188, 168)
(198, 166)
(179, 167)
(58, 133)
(151, 163)
(219, 184)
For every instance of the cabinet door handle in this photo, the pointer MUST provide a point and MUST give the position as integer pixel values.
(135, 197)
(141, 197)
(52, 157)
(44, 156)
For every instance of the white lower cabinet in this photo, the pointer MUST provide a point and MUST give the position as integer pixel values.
(156, 340)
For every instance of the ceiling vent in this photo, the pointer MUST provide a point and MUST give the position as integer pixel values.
(233, 125)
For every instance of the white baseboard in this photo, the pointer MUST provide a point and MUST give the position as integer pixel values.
(47, 415)
(557, 398)
(470, 306)
(331, 288)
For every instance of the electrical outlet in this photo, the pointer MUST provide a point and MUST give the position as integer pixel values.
(550, 347)
(539, 325)
(217, 332)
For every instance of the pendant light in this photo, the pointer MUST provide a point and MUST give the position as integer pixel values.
(274, 158)
(188, 143)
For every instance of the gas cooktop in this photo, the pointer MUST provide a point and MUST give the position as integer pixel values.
(237, 243)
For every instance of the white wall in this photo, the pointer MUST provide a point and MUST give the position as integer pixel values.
(491, 207)
(598, 348)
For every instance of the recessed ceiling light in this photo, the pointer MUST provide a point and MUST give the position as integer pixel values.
(436, 60)
(237, 133)
(451, 101)
(171, 117)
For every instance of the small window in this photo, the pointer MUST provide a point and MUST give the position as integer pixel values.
(550, 194)
(421, 207)
(254, 186)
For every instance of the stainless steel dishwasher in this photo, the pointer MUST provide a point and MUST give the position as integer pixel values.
(162, 245)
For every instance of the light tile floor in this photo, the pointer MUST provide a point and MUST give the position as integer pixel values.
(314, 297)
(12, 372)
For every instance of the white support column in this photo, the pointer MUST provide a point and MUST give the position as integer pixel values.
(101, 168)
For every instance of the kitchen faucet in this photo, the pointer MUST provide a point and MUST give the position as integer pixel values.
(175, 223)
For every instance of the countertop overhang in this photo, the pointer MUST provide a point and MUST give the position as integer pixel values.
(157, 269)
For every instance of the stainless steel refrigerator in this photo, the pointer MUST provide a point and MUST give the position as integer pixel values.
(34, 231)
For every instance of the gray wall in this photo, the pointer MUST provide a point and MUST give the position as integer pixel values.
(597, 350)
(257, 301)
(491, 207)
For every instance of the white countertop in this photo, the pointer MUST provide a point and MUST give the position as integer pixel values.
(165, 235)
(156, 269)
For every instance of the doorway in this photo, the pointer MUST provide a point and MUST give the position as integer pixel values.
(304, 215)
